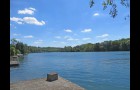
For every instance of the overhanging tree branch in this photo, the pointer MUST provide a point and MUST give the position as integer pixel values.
(113, 11)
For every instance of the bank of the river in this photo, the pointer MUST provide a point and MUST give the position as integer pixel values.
(42, 84)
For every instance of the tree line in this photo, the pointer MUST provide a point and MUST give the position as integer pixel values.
(116, 45)
(17, 47)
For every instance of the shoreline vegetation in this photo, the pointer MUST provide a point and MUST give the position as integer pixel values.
(123, 44)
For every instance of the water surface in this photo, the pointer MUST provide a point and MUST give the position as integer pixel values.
(91, 70)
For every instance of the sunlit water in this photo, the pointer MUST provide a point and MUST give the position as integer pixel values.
(91, 70)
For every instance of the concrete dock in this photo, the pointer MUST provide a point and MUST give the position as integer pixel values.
(14, 63)
(14, 60)
(43, 84)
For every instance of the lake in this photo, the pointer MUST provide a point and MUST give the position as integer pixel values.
(90, 70)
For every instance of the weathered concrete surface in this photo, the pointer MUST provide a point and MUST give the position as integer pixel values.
(14, 63)
(42, 84)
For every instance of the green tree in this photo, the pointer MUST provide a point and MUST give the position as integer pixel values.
(97, 47)
(14, 42)
(68, 49)
(17, 51)
(12, 51)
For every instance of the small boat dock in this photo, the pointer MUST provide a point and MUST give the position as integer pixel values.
(14, 60)
(14, 63)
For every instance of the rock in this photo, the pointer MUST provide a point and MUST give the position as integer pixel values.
(52, 76)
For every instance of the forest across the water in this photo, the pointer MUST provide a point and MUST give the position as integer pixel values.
(17, 47)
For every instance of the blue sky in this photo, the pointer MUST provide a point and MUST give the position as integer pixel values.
(59, 23)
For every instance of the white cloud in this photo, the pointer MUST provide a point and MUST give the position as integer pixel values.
(96, 14)
(19, 22)
(15, 34)
(86, 38)
(27, 11)
(16, 19)
(72, 39)
(18, 39)
(58, 37)
(86, 30)
(29, 36)
(68, 30)
(32, 8)
(28, 20)
(69, 38)
(38, 42)
(103, 36)
(33, 20)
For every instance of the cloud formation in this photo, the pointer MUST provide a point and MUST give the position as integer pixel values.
(15, 34)
(29, 11)
(103, 36)
(69, 38)
(86, 30)
(19, 22)
(15, 19)
(28, 20)
(68, 30)
(33, 20)
(72, 39)
(96, 14)
(29, 36)
(18, 39)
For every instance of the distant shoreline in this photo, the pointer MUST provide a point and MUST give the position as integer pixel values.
(80, 51)
(106, 46)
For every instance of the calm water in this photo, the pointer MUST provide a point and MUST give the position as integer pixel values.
(91, 70)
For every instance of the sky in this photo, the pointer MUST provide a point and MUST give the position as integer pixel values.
(59, 23)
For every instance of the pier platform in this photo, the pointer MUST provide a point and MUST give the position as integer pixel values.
(43, 84)
(14, 60)
(14, 63)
